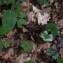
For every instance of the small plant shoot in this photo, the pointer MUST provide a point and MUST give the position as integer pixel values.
(4, 44)
(23, 15)
(21, 22)
(27, 46)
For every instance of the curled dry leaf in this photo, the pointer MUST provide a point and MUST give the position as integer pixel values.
(31, 17)
(22, 58)
(36, 15)
(42, 19)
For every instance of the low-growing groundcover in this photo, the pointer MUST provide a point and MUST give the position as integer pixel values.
(15, 17)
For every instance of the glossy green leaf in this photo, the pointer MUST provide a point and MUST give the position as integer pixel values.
(53, 28)
(59, 60)
(30, 61)
(1, 45)
(21, 22)
(8, 22)
(46, 36)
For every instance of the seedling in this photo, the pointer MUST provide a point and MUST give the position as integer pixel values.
(10, 17)
(53, 53)
(21, 21)
(4, 44)
(30, 61)
(26, 46)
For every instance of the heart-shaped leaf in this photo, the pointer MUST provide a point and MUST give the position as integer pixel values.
(46, 36)
(53, 28)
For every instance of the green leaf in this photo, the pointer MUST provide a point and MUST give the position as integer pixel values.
(1, 45)
(10, 1)
(1, 2)
(30, 61)
(46, 36)
(26, 46)
(40, 1)
(51, 51)
(53, 28)
(21, 22)
(9, 18)
(55, 56)
(46, 2)
(4, 30)
(59, 60)
(23, 15)
(18, 7)
(6, 44)
(8, 22)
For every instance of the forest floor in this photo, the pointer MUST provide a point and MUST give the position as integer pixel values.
(31, 33)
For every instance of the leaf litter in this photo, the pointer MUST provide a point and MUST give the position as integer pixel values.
(37, 17)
